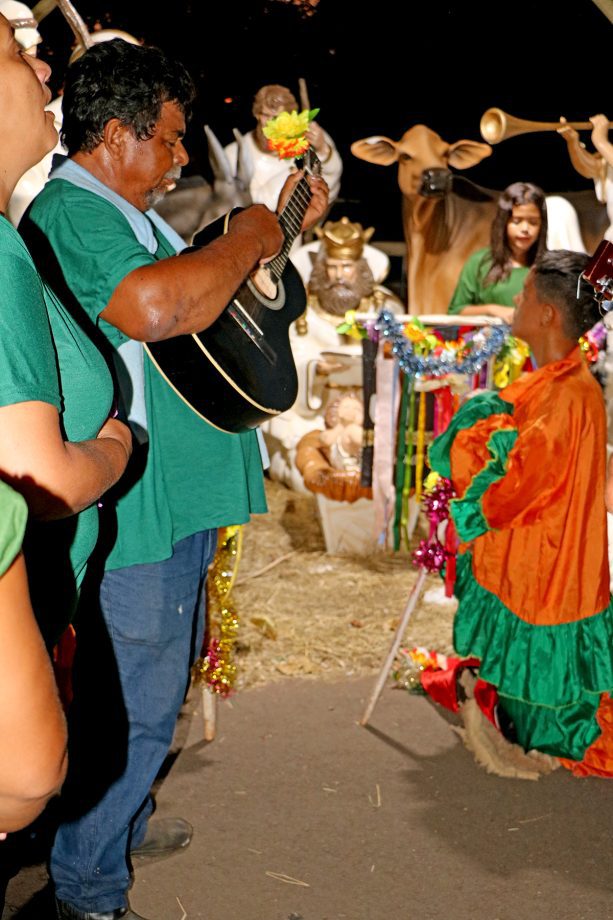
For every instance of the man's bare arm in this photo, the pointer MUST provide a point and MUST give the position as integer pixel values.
(186, 293)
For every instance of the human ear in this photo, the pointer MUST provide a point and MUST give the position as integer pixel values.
(114, 137)
(548, 314)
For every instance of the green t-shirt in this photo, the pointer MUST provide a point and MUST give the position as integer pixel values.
(13, 517)
(46, 356)
(471, 288)
(191, 476)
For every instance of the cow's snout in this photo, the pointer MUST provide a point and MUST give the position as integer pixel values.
(435, 182)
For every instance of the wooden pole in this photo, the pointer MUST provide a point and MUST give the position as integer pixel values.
(408, 610)
(209, 712)
(606, 7)
(304, 94)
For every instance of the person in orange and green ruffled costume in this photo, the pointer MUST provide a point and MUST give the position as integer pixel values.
(528, 467)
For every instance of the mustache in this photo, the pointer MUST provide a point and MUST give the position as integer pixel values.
(173, 175)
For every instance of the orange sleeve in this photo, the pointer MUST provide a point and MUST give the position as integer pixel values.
(470, 452)
(550, 459)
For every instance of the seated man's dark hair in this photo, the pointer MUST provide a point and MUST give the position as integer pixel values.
(116, 79)
(556, 279)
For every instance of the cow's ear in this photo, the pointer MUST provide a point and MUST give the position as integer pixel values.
(464, 154)
(377, 149)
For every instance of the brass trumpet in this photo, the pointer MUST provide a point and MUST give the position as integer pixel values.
(497, 126)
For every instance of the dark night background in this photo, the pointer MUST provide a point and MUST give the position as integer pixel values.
(378, 68)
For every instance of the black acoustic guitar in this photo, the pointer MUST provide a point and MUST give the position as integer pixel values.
(240, 371)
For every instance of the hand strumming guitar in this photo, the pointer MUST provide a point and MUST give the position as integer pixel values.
(259, 223)
(248, 361)
(318, 204)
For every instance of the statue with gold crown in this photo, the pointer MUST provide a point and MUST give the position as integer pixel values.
(342, 273)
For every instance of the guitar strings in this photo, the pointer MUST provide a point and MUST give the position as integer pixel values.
(292, 216)
(291, 219)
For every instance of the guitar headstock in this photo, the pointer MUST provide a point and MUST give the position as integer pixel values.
(599, 271)
(310, 162)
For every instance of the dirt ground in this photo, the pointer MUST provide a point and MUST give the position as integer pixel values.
(300, 813)
(312, 614)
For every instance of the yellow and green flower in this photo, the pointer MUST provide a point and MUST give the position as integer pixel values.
(286, 133)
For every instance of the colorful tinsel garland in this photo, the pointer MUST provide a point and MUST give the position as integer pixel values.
(593, 342)
(412, 664)
(510, 362)
(216, 668)
(421, 352)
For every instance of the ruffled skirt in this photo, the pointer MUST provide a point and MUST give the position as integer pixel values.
(550, 679)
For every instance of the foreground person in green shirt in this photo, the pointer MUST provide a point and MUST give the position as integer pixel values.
(492, 277)
(59, 451)
(32, 725)
(58, 446)
(115, 259)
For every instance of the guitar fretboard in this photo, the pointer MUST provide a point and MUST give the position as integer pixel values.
(292, 215)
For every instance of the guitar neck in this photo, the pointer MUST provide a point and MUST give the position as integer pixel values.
(292, 215)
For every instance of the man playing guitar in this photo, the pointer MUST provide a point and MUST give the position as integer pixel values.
(116, 264)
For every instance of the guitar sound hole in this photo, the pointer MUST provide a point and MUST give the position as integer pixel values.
(273, 303)
(263, 281)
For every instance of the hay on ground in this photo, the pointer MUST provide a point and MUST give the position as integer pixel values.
(305, 613)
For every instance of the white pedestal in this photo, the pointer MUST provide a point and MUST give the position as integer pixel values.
(348, 527)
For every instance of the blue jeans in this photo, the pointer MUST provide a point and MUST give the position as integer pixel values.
(132, 670)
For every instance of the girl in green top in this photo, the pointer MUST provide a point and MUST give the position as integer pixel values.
(492, 277)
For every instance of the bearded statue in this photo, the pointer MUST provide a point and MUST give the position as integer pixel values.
(329, 364)
(341, 278)
(338, 285)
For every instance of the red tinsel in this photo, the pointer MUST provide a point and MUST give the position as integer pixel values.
(431, 555)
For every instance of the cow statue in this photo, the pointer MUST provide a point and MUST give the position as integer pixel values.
(446, 217)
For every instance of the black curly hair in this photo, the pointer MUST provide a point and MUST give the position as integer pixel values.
(557, 280)
(116, 79)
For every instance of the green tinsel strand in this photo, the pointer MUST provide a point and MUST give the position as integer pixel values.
(408, 468)
(400, 451)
